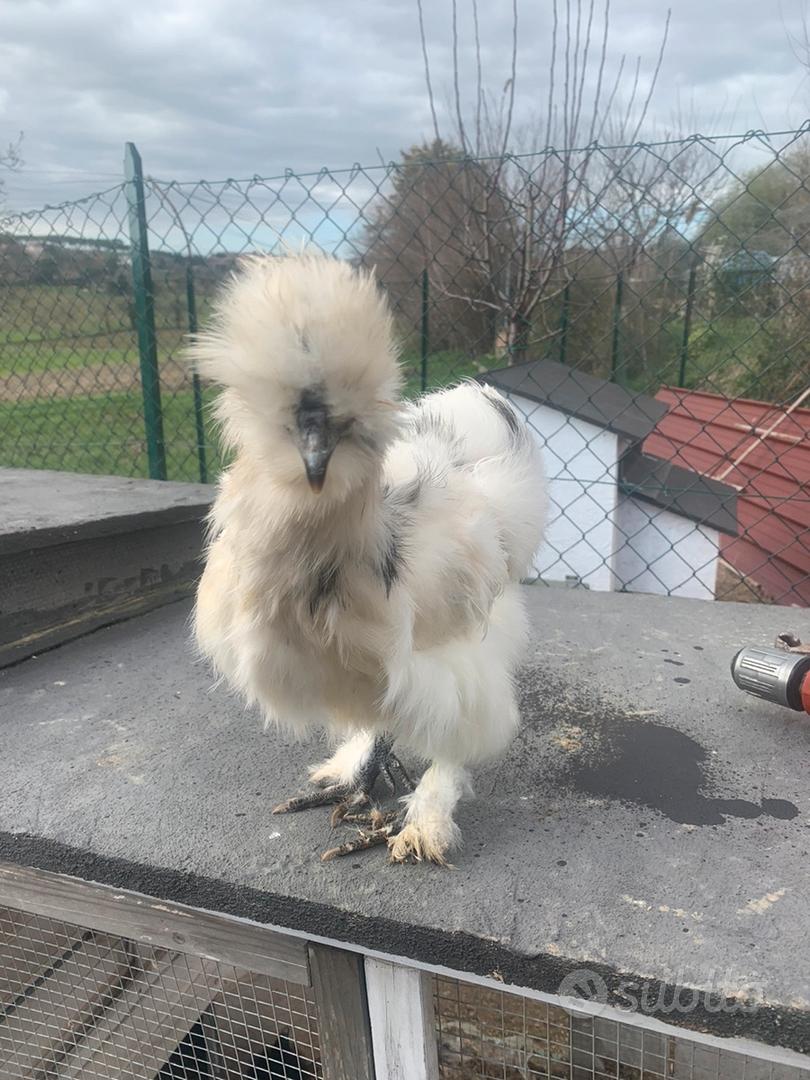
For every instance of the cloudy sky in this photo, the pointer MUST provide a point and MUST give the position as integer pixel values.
(219, 88)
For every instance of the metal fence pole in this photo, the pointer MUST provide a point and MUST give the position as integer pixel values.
(615, 346)
(191, 302)
(145, 312)
(425, 328)
(566, 299)
(687, 326)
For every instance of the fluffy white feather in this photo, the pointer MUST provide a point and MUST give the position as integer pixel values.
(376, 592)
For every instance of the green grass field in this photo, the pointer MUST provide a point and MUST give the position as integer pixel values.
(66, 351)
(65, 327)
(70, 390)
(104, 432)
(100, 435)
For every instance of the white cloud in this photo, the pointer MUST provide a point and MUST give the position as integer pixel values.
(238, 87)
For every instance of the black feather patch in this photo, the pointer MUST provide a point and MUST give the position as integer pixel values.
(507, 413)
(425, 422)
(390, 559)
(399, 501)
(407, 494)
(326, 587)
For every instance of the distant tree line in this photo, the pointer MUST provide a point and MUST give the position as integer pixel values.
(628, 249)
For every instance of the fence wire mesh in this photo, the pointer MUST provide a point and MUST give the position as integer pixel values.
(80, 1004)
(646, 307)
(487, 1034)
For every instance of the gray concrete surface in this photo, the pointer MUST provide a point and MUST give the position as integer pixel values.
(78, 552)
(39, 508)
(650, 820)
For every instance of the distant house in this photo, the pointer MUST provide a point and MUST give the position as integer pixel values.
(620, 518)
(763, 452)
(745, 270)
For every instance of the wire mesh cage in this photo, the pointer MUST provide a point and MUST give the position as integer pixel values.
(488, 1034)
(84, 1004)
(670, 275)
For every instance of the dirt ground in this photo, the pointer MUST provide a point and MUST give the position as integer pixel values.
(97, 380)
(732, 585)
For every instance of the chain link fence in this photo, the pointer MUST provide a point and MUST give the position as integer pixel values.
(82, 1004)
(646, 307)
(78, 1004)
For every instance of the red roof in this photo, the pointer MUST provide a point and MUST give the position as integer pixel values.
(764, 452)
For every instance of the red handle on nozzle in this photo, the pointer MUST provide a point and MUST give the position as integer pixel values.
(805, 693)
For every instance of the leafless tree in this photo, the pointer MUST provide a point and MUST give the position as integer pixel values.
(429, 221)
(528, 209)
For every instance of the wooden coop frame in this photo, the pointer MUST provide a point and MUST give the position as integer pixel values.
(375, 1014)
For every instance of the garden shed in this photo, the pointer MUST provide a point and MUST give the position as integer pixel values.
(762, 451)
(619, 518)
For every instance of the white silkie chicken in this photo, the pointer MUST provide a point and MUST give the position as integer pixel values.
(364, 557)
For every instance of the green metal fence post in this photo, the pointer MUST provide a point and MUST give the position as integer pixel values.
(687, 326)
(191, 302)
(566, 299)
(425, 328)
(615, 346)
(145, 312)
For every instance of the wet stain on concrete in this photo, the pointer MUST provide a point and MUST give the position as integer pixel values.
(662, 768)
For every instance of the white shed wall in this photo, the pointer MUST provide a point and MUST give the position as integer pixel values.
(582, 468)
(659, 551)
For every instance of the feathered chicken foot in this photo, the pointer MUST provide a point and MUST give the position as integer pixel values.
(381, 827)
(406, 842)
(324, 796)
(351, 797)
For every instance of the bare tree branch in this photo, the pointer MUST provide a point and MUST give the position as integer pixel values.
(601, 73)
(512, 80)
(654, 81)
(502, 234)
(479, 79)
(585, 57)
(462, 134)
(431, 99)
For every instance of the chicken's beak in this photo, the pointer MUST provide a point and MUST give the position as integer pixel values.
(316, 459)
(317, 440)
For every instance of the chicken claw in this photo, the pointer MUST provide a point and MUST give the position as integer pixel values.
(334, 793)
(380, 827)
(406, 842)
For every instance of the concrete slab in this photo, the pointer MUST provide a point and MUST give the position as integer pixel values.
(39, 507)
(78, 552)
(651, 823)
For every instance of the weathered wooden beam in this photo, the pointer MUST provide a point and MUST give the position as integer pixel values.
(155, 922)
(338, 979)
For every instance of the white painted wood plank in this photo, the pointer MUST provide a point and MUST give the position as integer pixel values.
(403, 1032)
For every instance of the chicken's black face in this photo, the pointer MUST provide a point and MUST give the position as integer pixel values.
(317, 433)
